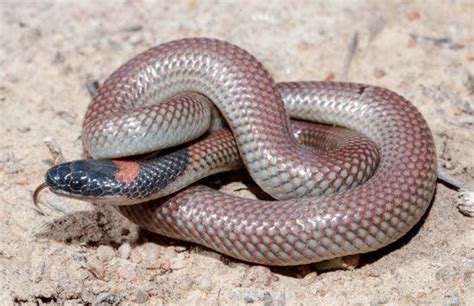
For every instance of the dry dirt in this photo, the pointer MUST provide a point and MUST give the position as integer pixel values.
(81, 254)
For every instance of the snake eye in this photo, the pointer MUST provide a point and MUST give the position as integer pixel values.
(75, 184)
(79, 181)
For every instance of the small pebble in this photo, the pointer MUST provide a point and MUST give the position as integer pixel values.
(106, 298)
(249, 300)
(179, 249)
(105, 252)
(379, 73)
(260, 270)
(238, 189)
(449, 165)
(141, 297)
(373, 273)
(310, 278)
(79, 258)
(169, 253)
(451, 300)
(302, 271)
(322, 292)
(349, 262)
(185, 283)
(127, 270)
(258, 275)
(124, 250)
(136, 255)
(204, 283)
(178, 263)
(330, 77)
(151, 252)
(165, 266)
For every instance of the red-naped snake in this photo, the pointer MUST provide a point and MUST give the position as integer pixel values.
(320, 212)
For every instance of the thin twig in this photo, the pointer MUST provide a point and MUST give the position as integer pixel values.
(442, 42)
(54, 149)
(92, 87)
(451, 181)
(350, 55)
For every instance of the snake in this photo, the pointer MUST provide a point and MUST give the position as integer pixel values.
(356, 183)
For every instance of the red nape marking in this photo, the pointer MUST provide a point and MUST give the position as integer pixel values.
(127, 170)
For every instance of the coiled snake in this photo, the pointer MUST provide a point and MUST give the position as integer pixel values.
(329, 203)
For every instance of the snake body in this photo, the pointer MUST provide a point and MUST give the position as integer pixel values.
(319, 215)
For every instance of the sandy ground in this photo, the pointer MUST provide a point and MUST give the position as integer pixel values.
(424, 50)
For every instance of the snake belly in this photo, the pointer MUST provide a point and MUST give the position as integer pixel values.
(308, 223)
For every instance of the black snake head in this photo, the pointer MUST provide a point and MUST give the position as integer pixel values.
(118, 181)
(85, 179)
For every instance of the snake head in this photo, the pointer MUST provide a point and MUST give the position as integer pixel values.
(85, 179)
(117, 182)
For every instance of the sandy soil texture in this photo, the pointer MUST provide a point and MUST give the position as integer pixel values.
(81, 254)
